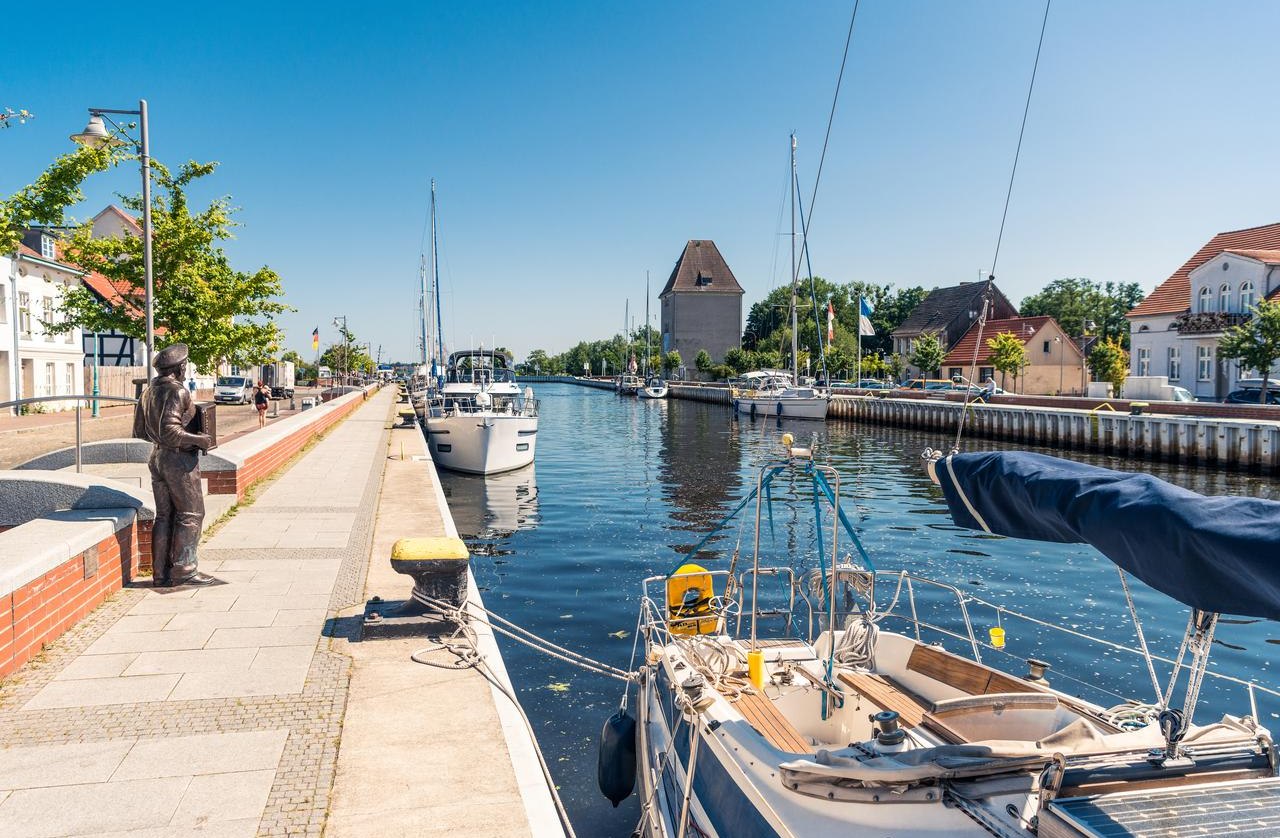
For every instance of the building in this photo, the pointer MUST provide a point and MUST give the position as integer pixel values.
(948, 314)
(34, 361)
(701, 304)
(1175, 330)
(1055, 364)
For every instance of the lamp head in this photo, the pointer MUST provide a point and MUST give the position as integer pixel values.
(95, 134)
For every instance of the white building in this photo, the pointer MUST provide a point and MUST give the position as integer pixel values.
(1175, 331)
(34, 362)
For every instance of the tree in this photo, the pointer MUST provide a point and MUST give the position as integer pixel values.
(344, 358)
(1075, 301)
(1008, 356)
(540, 364)
(45, 201)
(1255, 343)
(928, 354)
(703, 361)
(223, 315)
(739, 360)
(671, 362)
(1108, 361)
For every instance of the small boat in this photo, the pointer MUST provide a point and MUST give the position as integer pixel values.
(775, 393)
(480, 422)
(626, 384)
(811, 717)
(654, 388)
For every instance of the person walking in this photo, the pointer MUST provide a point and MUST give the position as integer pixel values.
(262, 400)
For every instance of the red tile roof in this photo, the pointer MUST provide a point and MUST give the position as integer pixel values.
(27, 251)
(1023, 327)
(1173, 296)
(701, 269)
(1270, 257)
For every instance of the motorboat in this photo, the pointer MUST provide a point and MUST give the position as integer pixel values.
(654, 388)
(775, 393)
(780, 701)
(480, 421)
(627, 384)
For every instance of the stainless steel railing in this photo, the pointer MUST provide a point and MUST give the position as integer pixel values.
(80, 401)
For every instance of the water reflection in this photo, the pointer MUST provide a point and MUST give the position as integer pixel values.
(493, 506)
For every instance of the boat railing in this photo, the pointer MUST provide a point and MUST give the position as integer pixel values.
(454, 405)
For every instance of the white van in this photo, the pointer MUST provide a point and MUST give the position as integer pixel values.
(233, 389)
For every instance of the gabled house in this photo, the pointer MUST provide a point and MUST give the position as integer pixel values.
(33, 360)
(1175, 330)
(701, 304)
(948, 314)
(1055, 364)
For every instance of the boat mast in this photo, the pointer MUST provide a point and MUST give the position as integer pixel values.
(795, 274)
(422, 305)
(647, 350)
(435, 272)
(626, 338)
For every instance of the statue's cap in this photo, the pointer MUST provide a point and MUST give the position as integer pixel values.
(171, 356)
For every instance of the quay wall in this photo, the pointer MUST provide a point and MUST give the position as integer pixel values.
(1221, 436)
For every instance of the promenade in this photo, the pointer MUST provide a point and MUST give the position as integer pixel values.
(220, 711)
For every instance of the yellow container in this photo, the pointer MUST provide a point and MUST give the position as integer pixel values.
(755, 668)
(997, 636)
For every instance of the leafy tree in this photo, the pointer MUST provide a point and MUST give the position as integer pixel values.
(873, 366)
(539, 362)
(740, 360)
(1108, 361)
(346, 358)
(894, 366)
(1008, 356)
(928, 354)
(45, 201)
(671, 361)
(703, 361)
(1255, 343)
(222, 314)
(1073, 301)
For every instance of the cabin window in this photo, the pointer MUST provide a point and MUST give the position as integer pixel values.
(1175, 364)
(1204, 363)
(522, 446)
(444, 447)
(1224, 298)
(1144, 361)
(1246, 296)
(1206, 301)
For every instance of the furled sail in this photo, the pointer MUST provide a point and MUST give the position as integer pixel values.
(1219, 554)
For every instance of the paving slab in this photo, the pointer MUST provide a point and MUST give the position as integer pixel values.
(77, 763)
(85, 809)
(214, 753)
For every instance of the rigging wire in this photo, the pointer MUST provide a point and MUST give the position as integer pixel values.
(991, 275)
(844, 59)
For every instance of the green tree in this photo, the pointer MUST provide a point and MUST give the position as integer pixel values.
(927, 354)
(46, 200)
(1075, 301)
(346, 358)
(223, 315)
(1255, 343)
(740, 360)
(703, 361)
(539, 363)
(1108, 361)
(671, 362)
(1008, 356)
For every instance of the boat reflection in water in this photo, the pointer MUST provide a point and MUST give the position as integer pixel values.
(487, 510)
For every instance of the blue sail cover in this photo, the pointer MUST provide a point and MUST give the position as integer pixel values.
(1219, 554)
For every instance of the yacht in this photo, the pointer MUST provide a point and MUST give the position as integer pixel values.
(480, 422)
(654, 388)
(775, 393)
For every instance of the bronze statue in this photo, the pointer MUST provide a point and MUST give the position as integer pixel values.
(164, 415)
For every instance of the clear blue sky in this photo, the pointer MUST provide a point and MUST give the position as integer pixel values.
(578, 145)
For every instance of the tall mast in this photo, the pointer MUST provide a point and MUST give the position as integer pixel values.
(435, 273)
(626, 337)
(795, 274)
(422, 305)
(647, 350)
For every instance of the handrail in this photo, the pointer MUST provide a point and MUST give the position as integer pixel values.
(79, 399)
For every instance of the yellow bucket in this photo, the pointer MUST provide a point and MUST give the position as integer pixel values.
(997, 636)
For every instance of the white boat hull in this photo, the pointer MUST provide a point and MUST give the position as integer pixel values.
(652, 392)
(793, 408)
(482, 443)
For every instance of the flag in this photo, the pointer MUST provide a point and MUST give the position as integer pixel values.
(831, 322)
(865, 329)
(315, 339)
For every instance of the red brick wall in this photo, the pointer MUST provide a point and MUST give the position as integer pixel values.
(265, 463)
(42, 610)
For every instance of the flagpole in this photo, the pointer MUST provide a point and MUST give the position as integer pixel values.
(857, 375)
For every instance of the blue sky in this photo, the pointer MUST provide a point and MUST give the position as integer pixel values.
(578, 145)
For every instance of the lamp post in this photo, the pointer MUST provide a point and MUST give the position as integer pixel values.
(1058, 340)
(95, 134)
(346, 345)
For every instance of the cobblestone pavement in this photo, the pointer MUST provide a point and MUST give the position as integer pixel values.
(213, 711)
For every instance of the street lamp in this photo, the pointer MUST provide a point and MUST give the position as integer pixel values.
(1058, 340)
(95, 134)
(346, 346)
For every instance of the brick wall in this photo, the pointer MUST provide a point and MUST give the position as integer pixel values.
(42, 610)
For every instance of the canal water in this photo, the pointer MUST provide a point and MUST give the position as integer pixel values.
(622, 487)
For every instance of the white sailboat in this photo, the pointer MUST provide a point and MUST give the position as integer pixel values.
(654, 387)
(481, 422)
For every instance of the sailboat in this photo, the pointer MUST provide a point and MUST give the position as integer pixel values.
(773, 392)
(812, 717)
(654, 387)
(626, 383)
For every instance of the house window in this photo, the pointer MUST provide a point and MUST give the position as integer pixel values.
(1144, 361)
(1204, 363)
(1246, 296)
(1206, 301)
(71, 379)
(48, 379)
(47, 248)
(956, 372)
(4, 303)
(24, 314)
(48, 318)
(1175, 363)
(1224, 298)
(986, 373)
(703, 279)
(1046, 347)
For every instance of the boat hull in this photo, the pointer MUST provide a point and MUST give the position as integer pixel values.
(482, 443)
(652, 392)
(797, 408)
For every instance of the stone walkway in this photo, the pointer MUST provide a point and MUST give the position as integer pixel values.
(212, 711)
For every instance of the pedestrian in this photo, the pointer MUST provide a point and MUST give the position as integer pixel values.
(261, 400)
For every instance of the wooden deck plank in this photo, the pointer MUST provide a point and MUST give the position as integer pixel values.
(761, 714)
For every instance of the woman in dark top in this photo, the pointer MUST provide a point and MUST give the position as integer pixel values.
(261, 399)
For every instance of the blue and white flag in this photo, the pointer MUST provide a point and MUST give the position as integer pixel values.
(865, 328)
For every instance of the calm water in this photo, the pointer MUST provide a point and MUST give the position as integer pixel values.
(622, 486)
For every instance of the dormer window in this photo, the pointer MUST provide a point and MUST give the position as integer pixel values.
(1206, 301)
(703, 279)
(47, 247)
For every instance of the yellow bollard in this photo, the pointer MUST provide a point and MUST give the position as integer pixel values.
(755, 668)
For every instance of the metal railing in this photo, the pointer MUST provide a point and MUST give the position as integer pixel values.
(80, 401)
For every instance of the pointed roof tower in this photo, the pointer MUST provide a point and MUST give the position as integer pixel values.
(701, 270)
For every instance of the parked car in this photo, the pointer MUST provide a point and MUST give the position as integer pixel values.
(233, 389)
(872, 384)
(1252, 395)
(926, 384)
